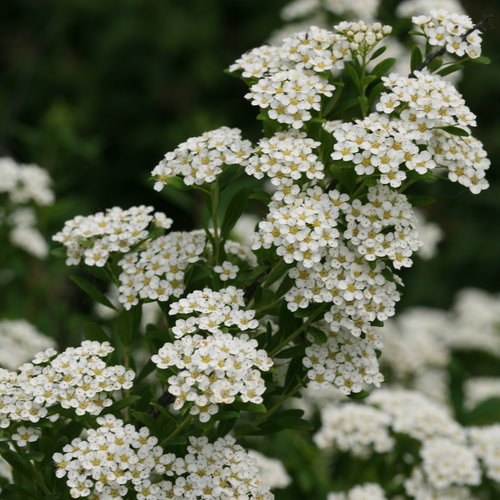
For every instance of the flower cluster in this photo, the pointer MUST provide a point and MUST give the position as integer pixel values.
(446, 463)
(214, 311)
(485, 442)
(285, 158)
(116, 457)
(112, 456)
(289, 96)
(23, 185)
(363, 37)
(449, 456)
(303, 228)
(272, 471)
(200, 160)
(355, 428)
(344, 361)
(156, 270)
(419, 344)
(214, 370)
(291, 78)
(95, 237)
(75, 379)
(20, 341)
(453, 31)
(414, 140)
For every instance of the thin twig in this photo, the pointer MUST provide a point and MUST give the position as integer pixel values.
(442, 50)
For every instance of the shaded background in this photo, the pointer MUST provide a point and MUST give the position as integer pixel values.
(96, 92)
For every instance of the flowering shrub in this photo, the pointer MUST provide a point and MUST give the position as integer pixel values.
(247, 325)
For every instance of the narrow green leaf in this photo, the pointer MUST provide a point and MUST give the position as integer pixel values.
(416, 58)
(250, 407)
(59, 252)
(416, 33)
(353, 74)
(148, 368)
(332, 102)
(94, 332)
(236, 207)
(177, 183)
(455, 131)
(481, 60)
(383, 67)
(450, 69)
(292, 352)
(435, 64)
(359, 395)
(422, 201)
(347, 104)
(261, 195)
(378, 52)
(122, 403)
(375, 92)
(319, 335)
(92, 291)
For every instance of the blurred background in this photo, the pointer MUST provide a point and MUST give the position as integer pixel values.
(96, 93)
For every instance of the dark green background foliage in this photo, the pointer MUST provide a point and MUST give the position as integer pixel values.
(96, 92)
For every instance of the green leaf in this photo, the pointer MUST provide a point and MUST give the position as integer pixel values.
(261, 195)
(375, 92)
(353, 74)
(177, 183)
(59, 253)
(383, 67)
(225, 426)
(236, 207)
(92, 291)
(387, 274)
(485, 413)
(146, 419)
(18, 463)
(359, 395)
(422, 201)
(345, 174)
(250, 407)
(319, 335)
(285, 420)
(416, 58)
(332, 102)
(148, 368)
(122, 403)
(292, 352)
(226, 415)
(128, 323)
(22, 493)
(455, 131)
(285, 285)
(435, 64)
(347, 104)
(416, 33)
(36, 456)
(94, 332)
(481, 60)
(378, 52)
(450, 69)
